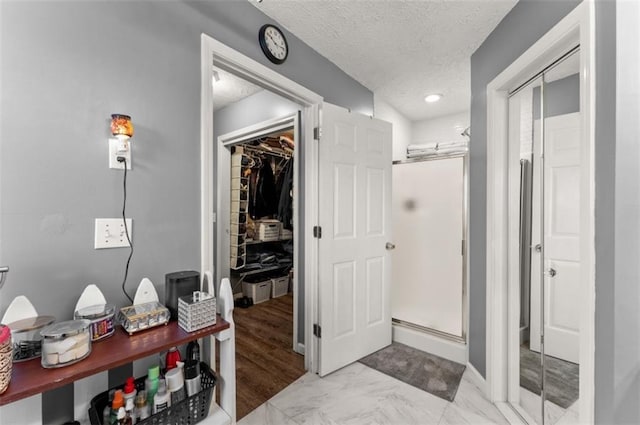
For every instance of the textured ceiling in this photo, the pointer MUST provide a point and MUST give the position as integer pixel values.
(399, 49)
(230, 89)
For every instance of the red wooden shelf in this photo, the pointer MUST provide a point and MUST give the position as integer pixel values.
(30, 378)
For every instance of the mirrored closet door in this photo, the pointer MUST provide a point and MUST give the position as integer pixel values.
(545, 264)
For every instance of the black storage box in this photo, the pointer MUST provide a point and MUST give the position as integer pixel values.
(179, 284)
(191, 410)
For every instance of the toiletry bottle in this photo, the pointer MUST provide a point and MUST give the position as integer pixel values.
(142, 410)
(193, 351)
(151, 383)
(128, 410)
(161, 400)
(106, 413)
(175, 383)
(129, 390)
(121, 416)
(192, 377)
(118, 402)
(173, 356)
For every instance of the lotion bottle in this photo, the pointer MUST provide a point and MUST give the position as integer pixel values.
(151, 383)
(142, 410)
(162, 399)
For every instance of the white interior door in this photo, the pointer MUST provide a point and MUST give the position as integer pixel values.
(562, 205)
(355, 218)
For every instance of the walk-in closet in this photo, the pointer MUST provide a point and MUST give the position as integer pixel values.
(262, 218)
(257, 151)
(261, 265)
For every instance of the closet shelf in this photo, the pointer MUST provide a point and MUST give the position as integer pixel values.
(254, 242)
(264, 269)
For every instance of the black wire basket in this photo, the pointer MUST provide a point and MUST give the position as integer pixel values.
(191, 410)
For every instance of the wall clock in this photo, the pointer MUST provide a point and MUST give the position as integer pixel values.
(273, 43)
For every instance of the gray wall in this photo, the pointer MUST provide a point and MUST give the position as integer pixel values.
(523, 26)
(66, 66)
(561, 97)
(618, 293)
(626, 316)
(254, 109)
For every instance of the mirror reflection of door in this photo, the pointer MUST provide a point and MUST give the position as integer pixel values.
(549, 256)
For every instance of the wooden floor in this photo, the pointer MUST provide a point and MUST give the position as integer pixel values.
(265, 360)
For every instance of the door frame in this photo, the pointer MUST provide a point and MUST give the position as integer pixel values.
(577, 27)
(212, 51)
(223, 192)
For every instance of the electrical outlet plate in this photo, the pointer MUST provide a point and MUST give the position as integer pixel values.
(115, 152)
(110, 233)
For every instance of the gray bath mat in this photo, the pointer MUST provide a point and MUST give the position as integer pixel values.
(430, 373)
(562, 380)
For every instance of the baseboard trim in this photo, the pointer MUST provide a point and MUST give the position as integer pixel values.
(450, 350)
(477, 379)
(300, 348)
(510, 415)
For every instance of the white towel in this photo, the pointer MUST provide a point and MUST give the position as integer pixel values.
(437, 147)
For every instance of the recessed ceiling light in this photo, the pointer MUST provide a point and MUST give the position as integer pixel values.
(432, 98)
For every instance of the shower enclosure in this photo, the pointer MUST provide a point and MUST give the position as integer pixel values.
(429, 262)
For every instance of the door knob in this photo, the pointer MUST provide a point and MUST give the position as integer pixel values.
(551, 272)
(538, 248)
(389, 246)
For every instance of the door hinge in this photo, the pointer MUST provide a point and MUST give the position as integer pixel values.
(317, 330)
(317, 232)
(317, 133)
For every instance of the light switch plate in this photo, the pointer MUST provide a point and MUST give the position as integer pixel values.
(110, 233)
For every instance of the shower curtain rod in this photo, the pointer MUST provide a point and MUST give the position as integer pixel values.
(425, 158)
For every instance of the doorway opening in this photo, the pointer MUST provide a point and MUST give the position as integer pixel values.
(573, 156)
(545, 147)
(258, 240)
(214, 53)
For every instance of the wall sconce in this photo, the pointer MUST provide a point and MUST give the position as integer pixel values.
(119, 149)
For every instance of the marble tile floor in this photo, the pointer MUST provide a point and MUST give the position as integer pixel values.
(359, 395)
(554, 414)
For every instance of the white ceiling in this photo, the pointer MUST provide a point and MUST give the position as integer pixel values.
(399, 49)
(230, 89)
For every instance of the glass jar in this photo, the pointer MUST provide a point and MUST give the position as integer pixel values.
(65, 343)
(25, 333)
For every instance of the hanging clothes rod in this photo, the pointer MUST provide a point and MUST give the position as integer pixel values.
(261, 151)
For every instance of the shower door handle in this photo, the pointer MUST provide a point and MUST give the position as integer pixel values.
(389, 246)
(3, 274)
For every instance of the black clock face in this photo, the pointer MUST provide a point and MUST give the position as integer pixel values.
(273, 44)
